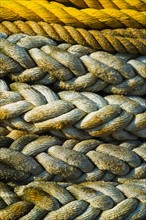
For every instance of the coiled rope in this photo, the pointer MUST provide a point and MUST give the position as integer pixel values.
(46, 158)
(36, 59)
(84, 18)
(89, 200)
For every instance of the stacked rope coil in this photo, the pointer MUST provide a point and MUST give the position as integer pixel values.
(73, 110)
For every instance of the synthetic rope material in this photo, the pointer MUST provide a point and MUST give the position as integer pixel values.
(58, 13)
(62, 201)
(118, 40)
(139, 5)
(37, 59)
(46, 158)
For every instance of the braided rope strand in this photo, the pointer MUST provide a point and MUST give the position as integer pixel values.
(76, 115)
(56, 13)
(67, 149)
(61, 201)
(23, 59)
(46, 158)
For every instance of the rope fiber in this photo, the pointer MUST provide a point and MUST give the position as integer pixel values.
(83, 18)
(37, 59)
(119, 40)
(89, 200)
(139, 5)
(50, 159)
(37, 109)
(72, 110)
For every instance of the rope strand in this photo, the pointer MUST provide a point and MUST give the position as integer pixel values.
(89, 200)
(48, 158)
(139, 5)
(84, 18)
(119, 40)
(75, 115)
(37, 59)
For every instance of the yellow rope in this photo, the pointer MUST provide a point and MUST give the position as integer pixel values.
(57, 13)
(139, 5)
(119, 40)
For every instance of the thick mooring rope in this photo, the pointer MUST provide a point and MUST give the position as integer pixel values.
(119, 40)
(36, 59)
(72, 110)
(60, 32)
(59, 201)
(46, 158)
(83, 18)
(139, 5)
(77, 115)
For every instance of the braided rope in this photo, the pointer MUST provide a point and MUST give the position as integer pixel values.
(90, 200)
(84, 18)
(118, 40)
(47, 136)
(139, 5)
(77, 115)
(43, 158)
(71, 67)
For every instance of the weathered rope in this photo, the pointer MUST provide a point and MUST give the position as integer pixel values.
(72, 67)
(139, 5)
(45, 158)
(58, 32)
(77, 115)
(119, 40)
(90, 200)
(84, 18)
(48, 134)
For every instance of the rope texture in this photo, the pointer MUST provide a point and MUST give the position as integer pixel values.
(47, 158)
(139, 5)
(77, 115)
(29, 59)
(119, 40)
(48, 134)
(84, 18)
(89, 201)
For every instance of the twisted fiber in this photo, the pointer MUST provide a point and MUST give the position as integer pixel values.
(84, 18)
(118, 40)
(89, 201)
(72, 67)
(58, 31)
(139, 5)
(43, 158)
(78, 115)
